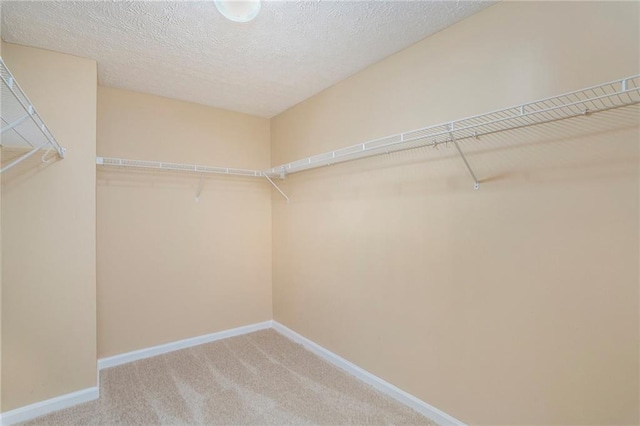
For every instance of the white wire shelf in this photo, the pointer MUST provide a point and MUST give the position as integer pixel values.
(175, 167)
(185, 168)
(22, 128)
(615, 94)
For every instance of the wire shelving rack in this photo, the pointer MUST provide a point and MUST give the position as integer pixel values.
(22, 127)
(606, 96)
(615, 94)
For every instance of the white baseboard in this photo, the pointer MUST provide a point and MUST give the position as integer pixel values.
(38, 409)
(29, 412)
(127, 357)
(387, 388)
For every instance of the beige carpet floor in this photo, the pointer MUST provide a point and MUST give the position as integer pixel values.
(260, 378)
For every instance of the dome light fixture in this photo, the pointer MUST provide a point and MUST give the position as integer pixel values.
(238, 10)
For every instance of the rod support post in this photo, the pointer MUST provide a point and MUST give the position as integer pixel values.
(476, 184)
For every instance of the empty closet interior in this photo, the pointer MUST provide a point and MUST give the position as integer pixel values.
(439, 198)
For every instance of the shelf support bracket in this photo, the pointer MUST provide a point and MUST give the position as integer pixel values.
(476, 184)
(200, 186)
(276, 186)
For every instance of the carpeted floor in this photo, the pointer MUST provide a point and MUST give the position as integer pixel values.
(260, 378)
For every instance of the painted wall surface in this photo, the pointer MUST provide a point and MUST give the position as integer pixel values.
(169, 267)
(515, 304)
(48, 237)
(1, 43)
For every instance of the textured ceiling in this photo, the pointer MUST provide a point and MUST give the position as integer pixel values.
(187, 50)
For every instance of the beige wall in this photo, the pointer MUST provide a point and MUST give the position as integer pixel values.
(170, 268)
(1, 43)
(48, 238)
(516, 304)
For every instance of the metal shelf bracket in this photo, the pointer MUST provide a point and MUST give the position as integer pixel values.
(200, 186)
(276, 186)
(476, 184)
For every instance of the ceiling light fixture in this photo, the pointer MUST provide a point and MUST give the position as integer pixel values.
(238, 10)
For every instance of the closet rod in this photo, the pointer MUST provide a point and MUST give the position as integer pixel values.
(614, 94)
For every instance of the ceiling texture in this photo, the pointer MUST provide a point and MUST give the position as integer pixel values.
(187, 50)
